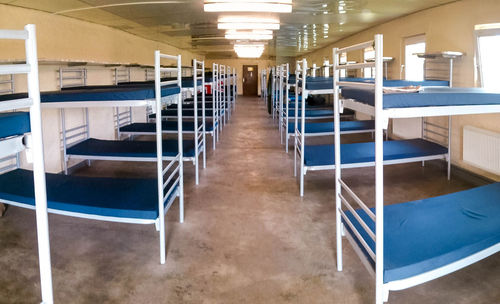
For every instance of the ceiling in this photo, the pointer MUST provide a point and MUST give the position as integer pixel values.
(183, 23)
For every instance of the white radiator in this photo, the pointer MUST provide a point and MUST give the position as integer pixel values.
(482, 149)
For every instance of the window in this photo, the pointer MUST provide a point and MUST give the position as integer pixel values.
(414, 66)
(369, 55)
(488, 60)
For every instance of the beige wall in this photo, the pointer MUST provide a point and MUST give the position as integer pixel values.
(238, 64)
(66, 39)
(447, 28)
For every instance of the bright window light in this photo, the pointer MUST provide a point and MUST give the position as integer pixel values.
(414, 66)
(489, 48)
(270, 6)
(249, 50)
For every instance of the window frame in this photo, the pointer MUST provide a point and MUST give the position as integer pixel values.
(416, 39)
(478, 33)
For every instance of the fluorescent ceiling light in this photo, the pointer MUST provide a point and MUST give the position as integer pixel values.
(249, 50)
(271, 6)
(243, 36)
(248, 23)
(250, 35)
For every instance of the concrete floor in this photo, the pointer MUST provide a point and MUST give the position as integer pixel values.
(247, 236)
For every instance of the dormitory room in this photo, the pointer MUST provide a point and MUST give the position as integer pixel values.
(250, 152)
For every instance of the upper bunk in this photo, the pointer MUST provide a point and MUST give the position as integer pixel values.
(432, 101)
(112, 96)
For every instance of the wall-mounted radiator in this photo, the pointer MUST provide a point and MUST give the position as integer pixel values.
(482, 149)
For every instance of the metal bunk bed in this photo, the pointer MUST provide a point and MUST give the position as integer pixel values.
(385, 246)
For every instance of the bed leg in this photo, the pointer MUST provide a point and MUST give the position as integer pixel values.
(286, 140)
(386, 295)
(213, 140)
(181, 205)
(423, 163)
(302, 173)
(157, 225)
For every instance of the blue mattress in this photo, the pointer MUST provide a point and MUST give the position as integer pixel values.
(115, 93)
(150, 128)
(324, 83)
(123, 198)
(14, 123)
(423, 235)
(119, 148)
(312, 113)
(402, 83)
(426, 98)
(324, 155)
(327, 127)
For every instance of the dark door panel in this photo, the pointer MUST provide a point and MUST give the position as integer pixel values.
(250, 80)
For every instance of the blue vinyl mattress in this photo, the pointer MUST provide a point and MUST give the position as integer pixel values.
(312, 113)
(426, 234)
(426, 98)
(115, 93)
(150, 128)
(324, 155)
(120, 148)
(14, 123)
(328, 127)
(325, 83)
(123, 198)
(401, 83)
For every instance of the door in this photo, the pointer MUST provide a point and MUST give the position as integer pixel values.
(250, 80)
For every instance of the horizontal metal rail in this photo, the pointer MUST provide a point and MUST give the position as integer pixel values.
(357, 199)
(14, 34)
(168, 57)
(355, 84)
(356, 66)
(359, 46)
(358, 235)
(6, 69)
(15, 104)
(356, 215)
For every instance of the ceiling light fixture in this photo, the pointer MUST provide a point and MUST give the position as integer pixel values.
(270, 6)
(249, 35)
(248, 23)
(249, 50)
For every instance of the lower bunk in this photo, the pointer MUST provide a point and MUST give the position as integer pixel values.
(107, 199)
(427, 239)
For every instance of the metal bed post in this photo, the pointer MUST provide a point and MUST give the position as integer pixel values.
(338, 172)
(42, 220)
(63, 135)
(287, 108)
(273, 89)
(87, 128)
(303, 125)
(195, 87)
(380, 294)
(297, 76)
(179, 123)
(159, 156)
(280, 104)
(215, 105)
(235, 87)
(203, 114)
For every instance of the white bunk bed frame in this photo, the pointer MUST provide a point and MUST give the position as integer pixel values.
(14, 145)
(382, 117)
